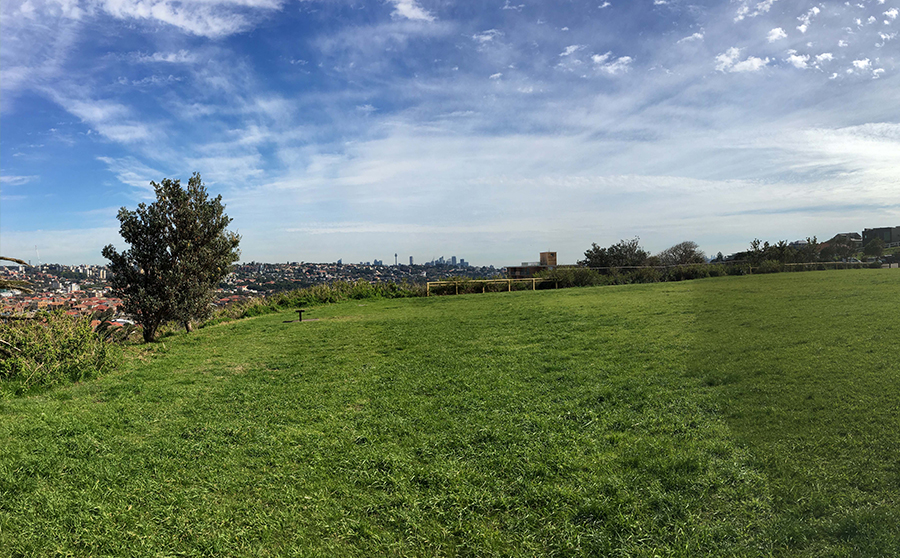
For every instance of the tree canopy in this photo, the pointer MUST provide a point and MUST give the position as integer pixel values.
(179, 252)
(625, 253)
(687, 252)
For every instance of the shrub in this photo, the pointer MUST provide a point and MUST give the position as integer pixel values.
(769, 266)
(565, 277)
(645, 275)
(51, 349)
(686, 272)
(717, 270)
(738, 269)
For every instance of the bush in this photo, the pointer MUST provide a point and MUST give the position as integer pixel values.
(645, 275)
(565, 277)
(687, 272)
(769, 266)
(51, 349)
(717, 270)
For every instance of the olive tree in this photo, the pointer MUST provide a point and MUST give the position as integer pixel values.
(179, 252)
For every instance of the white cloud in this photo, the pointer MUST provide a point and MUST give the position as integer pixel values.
(751, 64)
(617, 66)
(571, 49)
(798, 61)
(604, 5)
(776, 34)
(180, 57)
(891, 14)
(690, 38)
(806, 18)
(498, 75)
(409, 9)
(862, 64)
(760, 8)
(486, 36)
(728, 61)
(13, 180)
(214, 18)
(132, 172)
(824, 57)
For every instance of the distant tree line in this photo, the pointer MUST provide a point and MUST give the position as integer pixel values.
(630, 253)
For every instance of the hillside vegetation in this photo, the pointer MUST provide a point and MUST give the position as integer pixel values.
(735, 416)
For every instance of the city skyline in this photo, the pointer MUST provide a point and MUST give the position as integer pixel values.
(499, 130)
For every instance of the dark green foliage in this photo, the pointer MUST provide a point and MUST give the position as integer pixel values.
(565, 277)
(625, 253)
(179, 252)
(875, 248)
(769, 266)
(48, 350)
(201, 249)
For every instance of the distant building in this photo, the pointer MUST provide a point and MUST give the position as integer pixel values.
(889, 235)
(529, 269)
(453, 260)
(410, 260)
(851, 238)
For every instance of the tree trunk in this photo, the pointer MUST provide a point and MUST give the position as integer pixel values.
(149, 334)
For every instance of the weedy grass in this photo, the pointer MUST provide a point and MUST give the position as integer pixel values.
(670, 419)
(49, 350)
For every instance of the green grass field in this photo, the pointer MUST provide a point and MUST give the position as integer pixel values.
(739, 416)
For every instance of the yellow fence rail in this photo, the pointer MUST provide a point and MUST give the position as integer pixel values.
(484, 283)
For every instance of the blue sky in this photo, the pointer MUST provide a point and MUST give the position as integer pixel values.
(487, 130)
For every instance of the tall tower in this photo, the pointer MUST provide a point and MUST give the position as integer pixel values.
(410, 260)
(395, 260)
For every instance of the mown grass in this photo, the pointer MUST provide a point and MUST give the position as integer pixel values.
(642, 420)
(808, 376)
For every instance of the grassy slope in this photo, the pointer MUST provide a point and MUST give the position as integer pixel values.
(737, 416)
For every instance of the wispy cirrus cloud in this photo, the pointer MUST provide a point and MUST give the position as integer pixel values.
(12, 180)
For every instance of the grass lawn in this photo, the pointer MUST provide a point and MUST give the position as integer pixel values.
(740, 416)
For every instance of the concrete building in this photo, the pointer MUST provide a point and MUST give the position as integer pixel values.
(890, 236)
